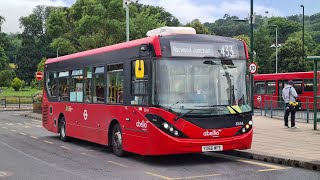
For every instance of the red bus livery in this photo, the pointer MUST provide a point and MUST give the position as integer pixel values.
(269, 87)
(173, 92)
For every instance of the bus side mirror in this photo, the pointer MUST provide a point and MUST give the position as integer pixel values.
(139, 69)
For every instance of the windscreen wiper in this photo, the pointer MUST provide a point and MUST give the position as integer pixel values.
(182, 115)
(237, 112)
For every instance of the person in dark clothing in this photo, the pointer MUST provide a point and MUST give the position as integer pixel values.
(289, 95)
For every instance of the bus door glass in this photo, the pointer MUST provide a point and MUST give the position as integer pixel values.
(297, 84)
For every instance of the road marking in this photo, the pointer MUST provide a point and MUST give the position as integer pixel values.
(13, 130)
(159, 176)
(65, 147)
(89, 155)
(4, 127)
(22, 133)
(48, 142)
(5, 174)
(34, 137)
(179, 178)
(248, 161)
(122, 165)
(266, 170)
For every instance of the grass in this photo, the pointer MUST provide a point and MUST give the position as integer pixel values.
(26, 92)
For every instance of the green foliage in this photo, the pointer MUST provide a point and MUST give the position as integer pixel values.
(37, 97)
(16, 84)
(198, 26)
(3, 59)
(26, 92)
(6, 77)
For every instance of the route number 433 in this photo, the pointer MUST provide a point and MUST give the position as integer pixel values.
(227, 50)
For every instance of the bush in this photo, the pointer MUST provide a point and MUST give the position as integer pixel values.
(6, 77)
(37, 97)
(16, 84)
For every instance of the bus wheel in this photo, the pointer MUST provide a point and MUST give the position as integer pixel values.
(63, 135)
(117, 141)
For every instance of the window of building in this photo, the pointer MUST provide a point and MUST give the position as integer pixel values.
(139, 87)
(115, 83)
(98, 84)
(259, 87)
(271, 87)
(76, 91)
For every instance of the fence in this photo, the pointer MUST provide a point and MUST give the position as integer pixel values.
(19, 102)
(273, 107)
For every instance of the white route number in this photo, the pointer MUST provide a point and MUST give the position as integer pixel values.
(253, 68)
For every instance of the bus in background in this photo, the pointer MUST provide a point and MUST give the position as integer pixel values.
(269, 87)
(170, 93)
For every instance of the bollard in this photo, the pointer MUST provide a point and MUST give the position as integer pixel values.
(19, 102)
(307, 110)
(260, 107)
(271, 103)
(265, 109)
(5, 102)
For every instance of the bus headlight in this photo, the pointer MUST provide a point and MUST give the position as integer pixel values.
(165, 126)
(246, 128)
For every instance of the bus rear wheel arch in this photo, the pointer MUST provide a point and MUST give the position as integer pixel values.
(62, 128)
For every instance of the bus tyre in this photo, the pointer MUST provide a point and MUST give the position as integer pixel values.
(117, 141)
(62, 130)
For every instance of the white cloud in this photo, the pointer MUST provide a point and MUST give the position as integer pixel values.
(187, 10)
(12, 10)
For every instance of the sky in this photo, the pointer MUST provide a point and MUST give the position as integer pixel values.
(184, 10)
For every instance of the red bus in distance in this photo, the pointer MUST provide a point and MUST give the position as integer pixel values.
(269, 87)
(163, 94)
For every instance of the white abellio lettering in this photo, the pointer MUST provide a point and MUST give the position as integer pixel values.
(213, 133)
(141, 124)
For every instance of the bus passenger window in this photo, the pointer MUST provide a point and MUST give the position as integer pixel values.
(63, 87)
(52, 84)
(87, 85)
(308, 85)
(271, 87)
(76, 91)
(115, 83)
(297, 84)
(98, 85)
(259, 87)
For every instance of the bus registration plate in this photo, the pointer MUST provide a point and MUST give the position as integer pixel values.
(212, 148)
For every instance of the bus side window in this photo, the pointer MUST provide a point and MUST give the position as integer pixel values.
(115, 83)
(139, 87)
(259, 87)
(297, 84)
(271, 87)
(308, 85)
(98, 85)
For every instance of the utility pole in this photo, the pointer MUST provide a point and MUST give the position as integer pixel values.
(251, 56)
(302, 34)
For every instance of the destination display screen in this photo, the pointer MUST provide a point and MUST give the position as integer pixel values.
(186, 49)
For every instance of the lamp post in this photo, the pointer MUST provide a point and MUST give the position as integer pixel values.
(302, 33)
(251, 54)
(126, 4)
(276, 46)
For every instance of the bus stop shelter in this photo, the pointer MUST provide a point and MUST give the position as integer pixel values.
(316, 90)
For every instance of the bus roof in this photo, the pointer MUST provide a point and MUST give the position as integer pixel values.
(148, 40)
(284, 76)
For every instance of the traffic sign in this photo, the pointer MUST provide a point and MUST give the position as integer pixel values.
(39, 76)
(253, 68)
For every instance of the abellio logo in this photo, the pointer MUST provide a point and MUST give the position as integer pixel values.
(213, 133)
(141, 124)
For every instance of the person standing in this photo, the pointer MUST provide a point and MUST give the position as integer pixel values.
(289, 94)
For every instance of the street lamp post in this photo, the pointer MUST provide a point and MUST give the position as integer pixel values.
(276, 47)
(251, 55)
(302, 33)
(126, 4)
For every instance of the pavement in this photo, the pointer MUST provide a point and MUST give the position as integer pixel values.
(274, 143)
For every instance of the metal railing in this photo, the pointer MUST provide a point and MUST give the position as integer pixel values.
(271, 106)
(16, 102)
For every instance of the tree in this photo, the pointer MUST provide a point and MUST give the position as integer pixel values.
(6, 77)
(198, 26)
(3, 59)
(16, 84)
(2, 19)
